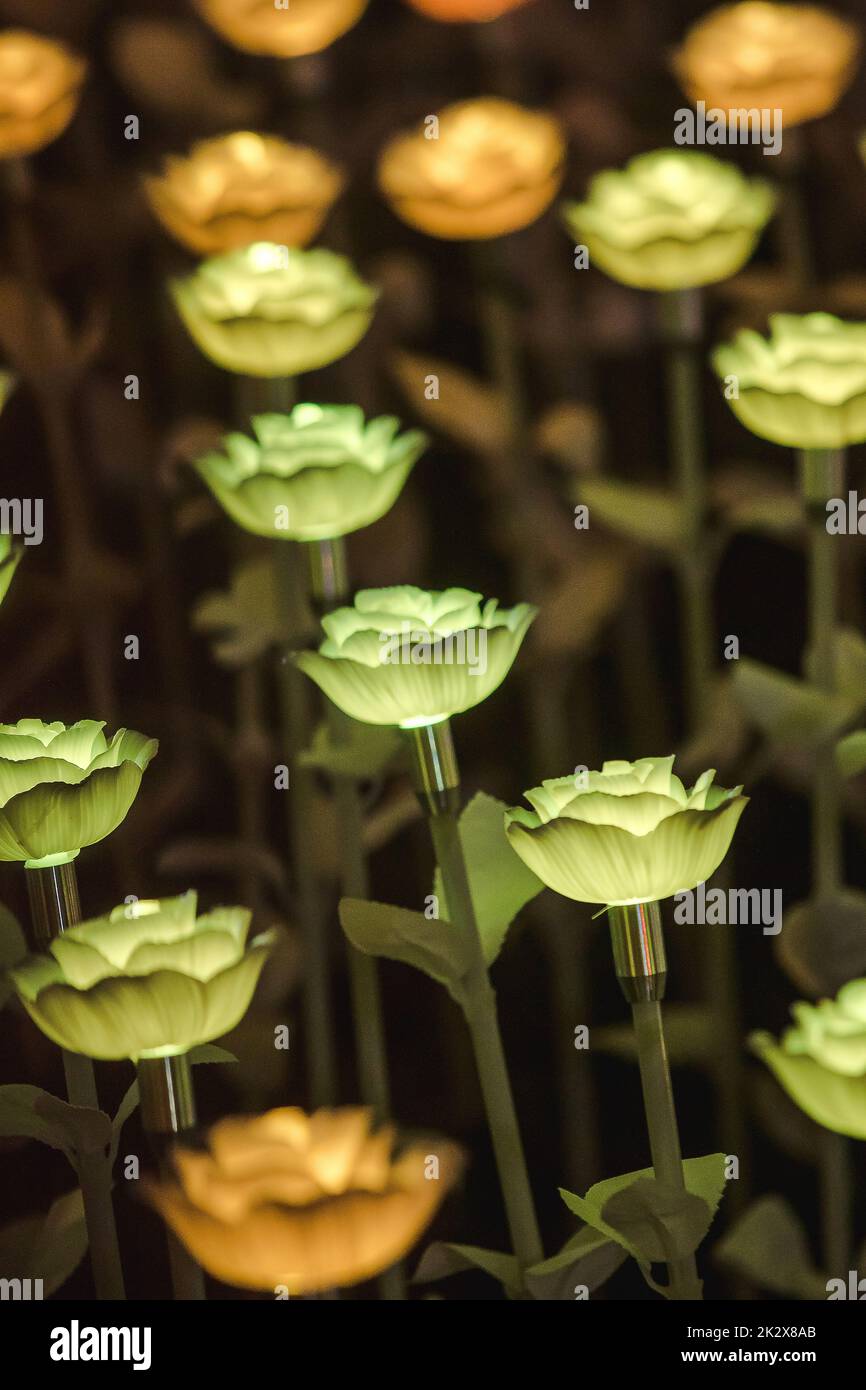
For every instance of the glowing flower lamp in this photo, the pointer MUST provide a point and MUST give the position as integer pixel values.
(671, 220)
(269, 311)
(149, 980)
(804, 386)
(240, 188)
(488, 167)
(283, 28)
(40, 86)
(796, 58)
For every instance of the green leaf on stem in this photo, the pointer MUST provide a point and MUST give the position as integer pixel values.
(209, 1052)
(49, 1247)
(586, 1261)
(366, 752)
(768, 1246)
(499, 881)
(834, 1101)
(788, 710)
(429, 944)
(124, 1110)
(650, 515)
(651, 1221)
(441, 1259)
(851, 754)
(13, 947)
(29, 1112)
(464, 408)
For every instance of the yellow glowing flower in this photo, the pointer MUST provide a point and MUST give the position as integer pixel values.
(241, 188)
(671, 220)
(40, 82)
(304, 1202)
(267, 310)
(630, 833)
(148, 980)
(488, 167)
(474, 11)
(284, 28)
(796, 58)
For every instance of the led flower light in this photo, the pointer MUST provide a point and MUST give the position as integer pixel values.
(472, 11)
(305, 1202)
(9, 557)
(804, 386)
(267, 310)
(821, 1060)
(314, 474)
(63, 787)
(148, 980)
(285, 30)
(671, 220)
(240, 188)
(406, 657)
(40, 84)
(493, 168)
(797, 58)
(629, 834)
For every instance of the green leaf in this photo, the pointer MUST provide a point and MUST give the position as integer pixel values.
(209, 1052)
(649, 515)
(652, 1222)
(13, 948)
(788, 710)
(124, 1110)
(851, 754)
(31, 1113)
(587, 1259)
(836, 1102)
(769, 1247)
(367, 751)
(499, 881)
(429, 944)
(49, 1248)
(466, 409)
(441, 1259)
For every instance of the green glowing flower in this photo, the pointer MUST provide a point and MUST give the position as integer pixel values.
(406, 657)
(267, 310)
(804, 386)
(148, 980)
(9, 557)
(320, 472)
(821, 1061)
(63, 787)
(671, 220)
(630, 833)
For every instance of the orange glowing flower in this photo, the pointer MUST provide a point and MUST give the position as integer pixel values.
(305, 1202)
(455, 11)
(283, 28)
(40, 82)
(240, 188)
(479, 169)
(797, 58)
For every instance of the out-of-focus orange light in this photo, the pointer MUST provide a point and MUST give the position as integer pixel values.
(283, 28)
(40, 82)
(468, 10)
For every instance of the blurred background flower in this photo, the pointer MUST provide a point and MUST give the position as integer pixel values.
(286, 31)
(40, 81)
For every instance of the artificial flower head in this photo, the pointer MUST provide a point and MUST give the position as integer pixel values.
(10, 554)
(794, 58)
(284, 29)
(488, 167)
(318, 472)
(149, 980)
(628, 834)
(267, 310)
(406, 657)
(804, 386)
(40, 85)
(821, 1060)
(469, 11)
(244, 187)
(303, 1202)
(671, 220)
(64, 786)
